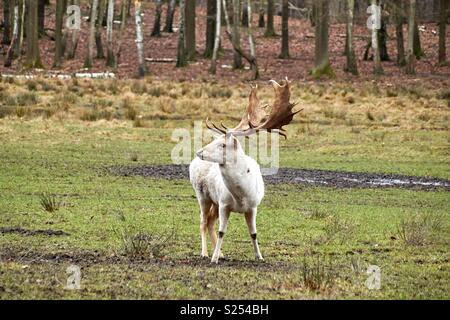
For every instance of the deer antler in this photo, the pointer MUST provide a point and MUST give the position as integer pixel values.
(280, 115)
(254, 113)
(252, 120)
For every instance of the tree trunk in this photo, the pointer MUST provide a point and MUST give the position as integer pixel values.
(210, 28)
(270, 30)
(261, 22)
(383, 36)
(10, 53)
(110, 58)
(237, 60)
(6, 22)
(142, 70)
(377, 68)
(190, 29)
(351, 66)
(181, 50)
(253, 64)
(399, 34)
(285, 30)
(171, 4)
(41, 16)
(249, 57)
(33, 58)
(58, 33)
(244, 20)
(73, 43)
(212, 70)
(443, 13)
(22, 9)
(411, 58)
(91, 41)
(322, 64)
(123, 25)
(98, 29)
(418, 52)
(156, 32)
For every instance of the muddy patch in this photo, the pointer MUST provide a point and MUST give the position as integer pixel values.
(308, 177)
(89, 258)
(27, 232)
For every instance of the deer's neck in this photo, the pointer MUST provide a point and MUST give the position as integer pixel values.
(238, 176)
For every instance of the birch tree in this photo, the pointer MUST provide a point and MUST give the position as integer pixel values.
(139, 38)
(91, 40)
(15, 34)
(377, 69)
(110, 57)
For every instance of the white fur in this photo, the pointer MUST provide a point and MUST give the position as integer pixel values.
(226, 180)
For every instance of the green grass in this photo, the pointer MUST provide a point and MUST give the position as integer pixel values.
(317, 242)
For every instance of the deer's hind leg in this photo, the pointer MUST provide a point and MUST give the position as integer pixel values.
(212, 218)
(205, 207)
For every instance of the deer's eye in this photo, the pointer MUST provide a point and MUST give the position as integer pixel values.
(224, 145)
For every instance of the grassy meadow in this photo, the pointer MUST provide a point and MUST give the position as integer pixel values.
(139, 237)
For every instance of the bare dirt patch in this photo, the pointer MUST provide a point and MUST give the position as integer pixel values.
(308, 177)
(27, 232)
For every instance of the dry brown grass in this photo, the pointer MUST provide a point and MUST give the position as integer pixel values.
(362, 106)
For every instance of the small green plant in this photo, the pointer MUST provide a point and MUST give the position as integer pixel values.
(139, 244)
(49, 202)
(419, 229)
(337, 227)
(316, 214)
(22, 99)
(318, 275)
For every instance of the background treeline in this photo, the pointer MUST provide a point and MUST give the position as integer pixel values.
(23, 25)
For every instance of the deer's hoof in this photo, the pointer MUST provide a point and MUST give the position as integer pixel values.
(215, 260)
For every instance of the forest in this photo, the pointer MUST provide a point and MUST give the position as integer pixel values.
(104, 105)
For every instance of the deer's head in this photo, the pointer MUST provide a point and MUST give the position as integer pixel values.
(226, 147)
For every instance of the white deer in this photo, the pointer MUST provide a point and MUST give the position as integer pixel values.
(226, 180)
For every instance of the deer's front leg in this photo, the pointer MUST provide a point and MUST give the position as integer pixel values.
(224, 214)
(250, 218)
